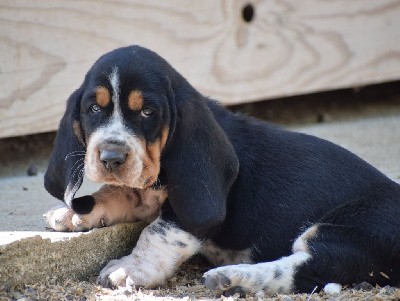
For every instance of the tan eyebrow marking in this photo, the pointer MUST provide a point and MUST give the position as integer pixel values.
(135, 100)
(102, 96)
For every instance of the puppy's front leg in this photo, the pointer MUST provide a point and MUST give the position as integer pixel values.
(162, 247)
(107, 206)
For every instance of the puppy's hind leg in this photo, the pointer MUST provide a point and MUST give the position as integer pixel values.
(324, 254)
(267, 277)
(358, 241)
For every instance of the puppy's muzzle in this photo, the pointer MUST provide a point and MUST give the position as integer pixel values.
(113, 154)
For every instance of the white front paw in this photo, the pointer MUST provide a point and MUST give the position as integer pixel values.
(115, 273)
(130, 271)
(61, 219)
(161, 248)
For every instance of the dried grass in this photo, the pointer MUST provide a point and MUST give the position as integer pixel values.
(184, 286)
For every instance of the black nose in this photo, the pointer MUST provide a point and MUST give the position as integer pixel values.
(112, 159)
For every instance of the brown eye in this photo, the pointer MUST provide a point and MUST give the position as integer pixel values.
(146, 112)
(95, 108)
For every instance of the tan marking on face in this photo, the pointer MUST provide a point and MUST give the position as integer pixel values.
(135, 100)
(102, 96)
(151, 160)
(76, 127)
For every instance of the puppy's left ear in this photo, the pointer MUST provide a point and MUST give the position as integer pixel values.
(64, 174)
(200, 164)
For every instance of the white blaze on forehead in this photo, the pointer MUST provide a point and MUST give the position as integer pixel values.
(114, 80)
(115, 84)
(116, 127)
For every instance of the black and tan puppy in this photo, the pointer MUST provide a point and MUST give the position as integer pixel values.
(280, 211)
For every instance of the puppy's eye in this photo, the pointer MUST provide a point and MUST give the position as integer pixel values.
(95, 108)
(146, 112)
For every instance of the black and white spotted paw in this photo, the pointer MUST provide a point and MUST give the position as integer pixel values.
(217, 282)
(230, 280)
(221, 284)
(249, 278)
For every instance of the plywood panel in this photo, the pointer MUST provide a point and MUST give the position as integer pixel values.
(290, 47)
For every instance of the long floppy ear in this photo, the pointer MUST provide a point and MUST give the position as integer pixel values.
(65, 171)
(200, 164)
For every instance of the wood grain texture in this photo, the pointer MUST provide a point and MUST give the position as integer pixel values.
(291, 47)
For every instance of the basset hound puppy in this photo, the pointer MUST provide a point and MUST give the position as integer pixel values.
(276, 211)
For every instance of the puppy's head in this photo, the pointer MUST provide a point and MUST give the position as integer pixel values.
(125, 119)
(115, 126)
(134, 115)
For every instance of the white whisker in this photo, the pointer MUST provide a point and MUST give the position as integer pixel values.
(79, 161)
(75, 153)
(80, 177)
(76, 170)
